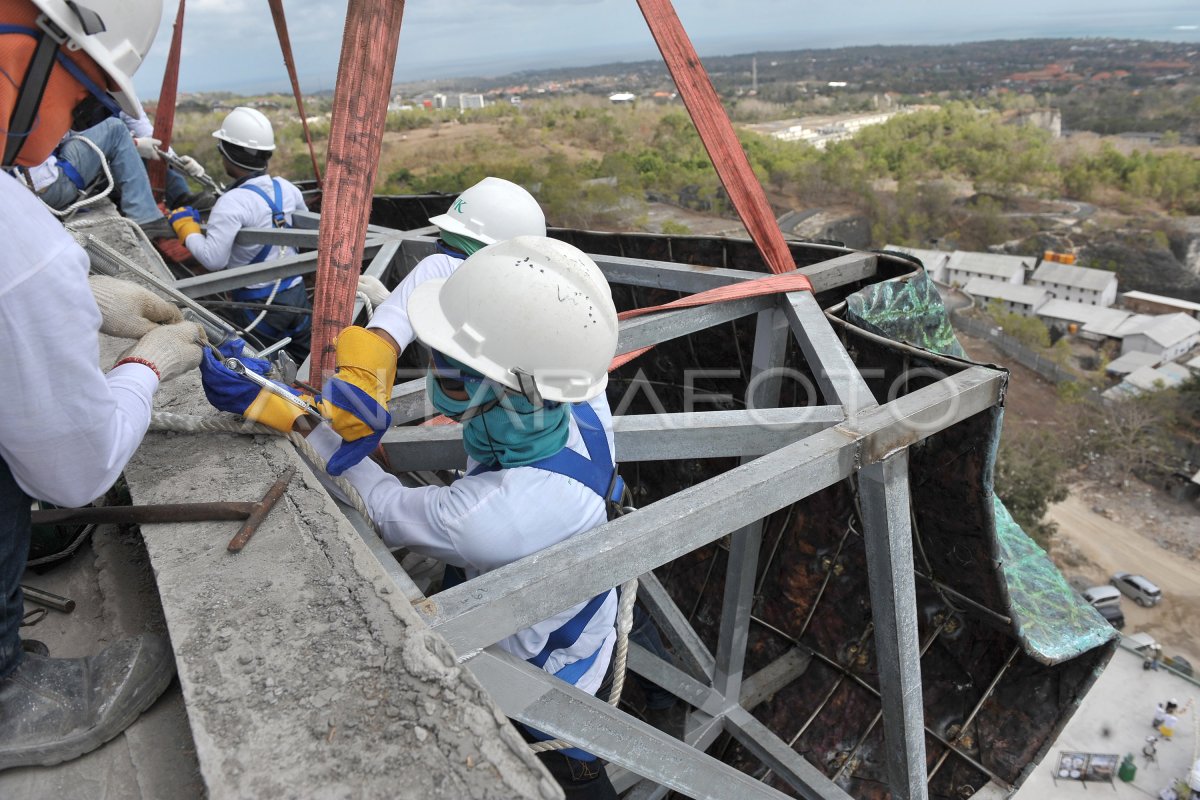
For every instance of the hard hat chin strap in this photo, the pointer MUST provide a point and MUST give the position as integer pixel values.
(22, 120)
(33, 87)
(528, 386)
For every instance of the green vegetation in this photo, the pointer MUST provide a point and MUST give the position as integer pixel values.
(1030, 477)
(594, 165)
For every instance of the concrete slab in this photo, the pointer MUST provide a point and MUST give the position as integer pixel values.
(1115, 718)
(305, 671)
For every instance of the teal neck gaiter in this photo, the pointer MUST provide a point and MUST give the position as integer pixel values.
(464, 244)
(511, 434)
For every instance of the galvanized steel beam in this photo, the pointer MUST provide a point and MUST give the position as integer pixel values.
(883, 493)
(228, 279)
(538, 699)
(500, 603)
(663, 326)
(802, 776)
(639, 437)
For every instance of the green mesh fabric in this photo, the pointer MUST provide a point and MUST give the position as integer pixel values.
(907, 309)
(1051, 621)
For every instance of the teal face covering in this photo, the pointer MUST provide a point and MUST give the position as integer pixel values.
(464, 244)
(513, 433)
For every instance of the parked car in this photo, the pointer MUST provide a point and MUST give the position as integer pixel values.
(1102, 596)
(1143, 592)
(1113, 614)
(1179, 664)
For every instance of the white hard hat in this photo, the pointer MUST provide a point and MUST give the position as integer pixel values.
(247, 127)
(493, 210)
(121, 32)
(528, 306)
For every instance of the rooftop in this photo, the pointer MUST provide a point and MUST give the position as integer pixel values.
(1115, 718)
(932, 259)
(1161, 298)
(1095, 280)
(990, 264)
(1094, 319)
(1171, 329)
(1133, 360)
(1011, 292)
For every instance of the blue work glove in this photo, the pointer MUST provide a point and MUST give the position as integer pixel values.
(344, 397)
(229, 391)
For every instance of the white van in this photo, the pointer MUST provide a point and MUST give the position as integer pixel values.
(1103, 596)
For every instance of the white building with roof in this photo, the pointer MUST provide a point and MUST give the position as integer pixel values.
(963, 266)
(934, 260)
(1091, 322)
(1014, 298)
(1168, 336)
(1097, 287)
(1158, 304)
(1131, 361)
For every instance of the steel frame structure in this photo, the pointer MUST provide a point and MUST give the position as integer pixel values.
(787, 454)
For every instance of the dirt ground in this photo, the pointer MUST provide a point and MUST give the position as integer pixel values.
(1104, 529)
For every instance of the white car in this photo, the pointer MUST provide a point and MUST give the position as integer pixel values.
(1143, 592)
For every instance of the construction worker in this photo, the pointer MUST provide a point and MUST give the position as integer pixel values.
(77, 163)
(67, 429)
(488, 212)
(246, 141)
(521, 336)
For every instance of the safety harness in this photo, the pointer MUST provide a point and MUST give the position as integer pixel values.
(597, 472)
(267, 293)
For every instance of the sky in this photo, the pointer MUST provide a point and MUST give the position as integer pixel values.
(231, 44)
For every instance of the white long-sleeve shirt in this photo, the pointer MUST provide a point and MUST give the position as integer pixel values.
(66, 429)
(481, 522)
(241, 208)
(392, 314)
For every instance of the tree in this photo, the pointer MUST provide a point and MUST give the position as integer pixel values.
(1029, 478)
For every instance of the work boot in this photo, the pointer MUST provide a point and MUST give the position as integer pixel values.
(57, 709)
(157, 229)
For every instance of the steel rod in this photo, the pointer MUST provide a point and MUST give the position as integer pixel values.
(48, 599)
(261, 510)
(152, 514)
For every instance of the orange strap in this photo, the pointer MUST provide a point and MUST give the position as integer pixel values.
(360, 101)
(164, 113)
(771, 284)
(285, 44)
(717, 134)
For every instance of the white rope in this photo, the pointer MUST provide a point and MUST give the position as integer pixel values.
(183, 423)
(267, 302)
(368, 306)
(86, 200)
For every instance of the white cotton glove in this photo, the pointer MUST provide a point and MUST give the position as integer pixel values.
(128, 310)
(373, 289)
(172, 349)
(146, 147)
(191, 166)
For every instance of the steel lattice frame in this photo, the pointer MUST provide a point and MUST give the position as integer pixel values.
(787, 455)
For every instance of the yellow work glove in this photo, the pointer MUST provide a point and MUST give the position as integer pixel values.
(186, 221)
(355, 399)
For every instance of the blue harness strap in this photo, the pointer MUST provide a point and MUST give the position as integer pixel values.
(278, 218)
(598, 473)
(72, 174)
